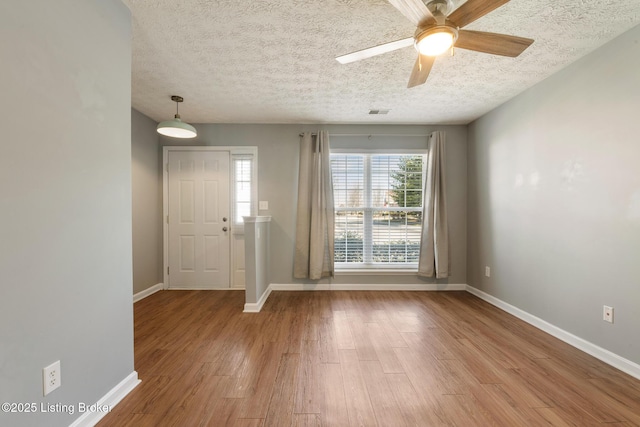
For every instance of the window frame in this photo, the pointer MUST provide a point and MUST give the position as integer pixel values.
(371, 267)
(243, 153)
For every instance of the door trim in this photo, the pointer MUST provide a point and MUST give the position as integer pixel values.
(233, 151)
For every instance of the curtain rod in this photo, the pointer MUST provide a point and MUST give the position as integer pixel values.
(369, 134)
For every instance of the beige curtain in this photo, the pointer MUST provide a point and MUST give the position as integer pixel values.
(434, 244)
(315, 220)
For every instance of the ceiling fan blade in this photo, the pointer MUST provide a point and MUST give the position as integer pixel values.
(472, 10)
(414, 10)
(495, 44)
(421, 70)
(374, 51)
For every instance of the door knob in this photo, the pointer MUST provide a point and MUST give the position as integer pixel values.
(224, 228)
(224, 219)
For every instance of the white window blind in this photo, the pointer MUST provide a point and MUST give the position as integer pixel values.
(242, 181)
(378, 209)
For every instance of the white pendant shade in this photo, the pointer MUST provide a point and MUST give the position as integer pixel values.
(176, 128)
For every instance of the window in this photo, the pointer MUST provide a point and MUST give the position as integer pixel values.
(242, 171)
(378, 209)
(244, 194)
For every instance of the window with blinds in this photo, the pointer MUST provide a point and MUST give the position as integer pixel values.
(242, 182)
(378, 209)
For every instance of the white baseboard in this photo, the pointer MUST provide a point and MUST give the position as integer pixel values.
(366, 287)
(255, 308)
(149, 291)
(598, 352)
(111, 399)
(204, 289)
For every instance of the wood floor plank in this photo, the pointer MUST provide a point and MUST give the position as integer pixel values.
(360, 358)
(552, 417)
(344, 338)
(312, 320)
(563, 398)
(523, 395)
(615, 396)
(256, 404)
(328, 341)
(429, 342)
(581, 391)
(255, 361)
(428, 373)
(479, 363)
(307, 420)
(503, 408)
(133, 420)
(405, 318)
(232, 358)
(248, 422)
(362, 340)
(194, 397)
(175, 392)
(309, 391)
(391, 333)
(383, 401)
(355, 390)
(464, 410)
(384, 349)
(217, 412)
(280, 411)
(334, 411)
(418, 407)
(485, 319)
(143, 397)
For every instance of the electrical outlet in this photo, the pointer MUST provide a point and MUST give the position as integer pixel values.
(607, 314)
(487, 271)
(51, 377)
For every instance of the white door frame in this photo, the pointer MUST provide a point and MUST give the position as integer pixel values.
(233, 151)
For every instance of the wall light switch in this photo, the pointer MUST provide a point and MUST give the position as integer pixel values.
(487, 271)
(263, 205)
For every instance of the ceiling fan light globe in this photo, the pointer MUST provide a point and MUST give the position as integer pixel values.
(436, 43)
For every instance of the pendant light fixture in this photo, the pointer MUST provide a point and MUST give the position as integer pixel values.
(176, 128)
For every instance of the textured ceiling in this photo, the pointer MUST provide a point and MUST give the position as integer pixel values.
(272, 61)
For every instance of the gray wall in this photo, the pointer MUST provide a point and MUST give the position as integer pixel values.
(146, 185)
(65, 201)
(278, 151)
(554, 198)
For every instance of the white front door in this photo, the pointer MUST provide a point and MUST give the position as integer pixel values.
(198, 223)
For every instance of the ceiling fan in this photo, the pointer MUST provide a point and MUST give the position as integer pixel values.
(436, 33)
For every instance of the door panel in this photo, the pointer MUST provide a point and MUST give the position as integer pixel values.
(186, 201)
(198, 206)
(187, 254)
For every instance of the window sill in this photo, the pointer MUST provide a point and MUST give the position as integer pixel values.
(376, 272)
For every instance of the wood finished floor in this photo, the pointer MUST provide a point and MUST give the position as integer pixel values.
(360, 359)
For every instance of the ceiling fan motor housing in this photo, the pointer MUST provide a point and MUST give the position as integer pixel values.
(442, 7)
